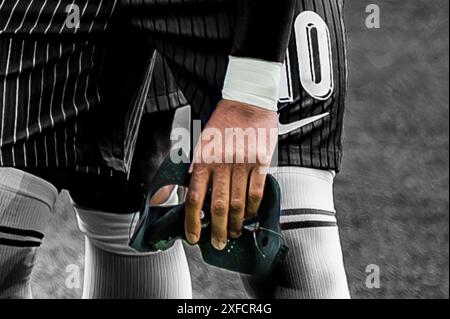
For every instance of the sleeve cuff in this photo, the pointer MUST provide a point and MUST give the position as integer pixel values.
(253, 81)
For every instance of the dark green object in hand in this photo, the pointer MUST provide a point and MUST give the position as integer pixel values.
(256, 252)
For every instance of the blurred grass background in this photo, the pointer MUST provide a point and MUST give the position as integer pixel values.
(393, 194)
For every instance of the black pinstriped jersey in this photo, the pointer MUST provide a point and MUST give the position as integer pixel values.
(72, 90)
(314, 83)
(49, 75)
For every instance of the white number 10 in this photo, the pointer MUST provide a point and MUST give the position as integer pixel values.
(314, 56)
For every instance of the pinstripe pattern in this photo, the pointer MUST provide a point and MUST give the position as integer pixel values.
(42, 78)
(194, 39)
(318, 145)
(56, 83)
(199, 67)
(133, 123)
(164, 94)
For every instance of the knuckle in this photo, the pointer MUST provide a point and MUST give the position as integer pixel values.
(200, 170)
(255, 196)
(263, 157)
(237, 205)
(258, 182)
(219, 207)
(194, 199)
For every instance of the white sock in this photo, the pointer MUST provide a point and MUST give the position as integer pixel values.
(114, 270)
(26, 205)
(314, 266)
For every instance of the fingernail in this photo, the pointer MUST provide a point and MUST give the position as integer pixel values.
(235, 235)
(218, 244)
(192, 238)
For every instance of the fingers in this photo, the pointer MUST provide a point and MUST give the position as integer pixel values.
(237, 200)
(229, 204)
(255, 192)
(162, 195)
(194, 202)
(220, 206)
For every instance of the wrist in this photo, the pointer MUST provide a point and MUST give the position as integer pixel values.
(254, 82)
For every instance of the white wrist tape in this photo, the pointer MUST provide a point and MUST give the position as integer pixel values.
(253, 81)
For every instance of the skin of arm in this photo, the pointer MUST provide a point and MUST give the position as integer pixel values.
(262, 32)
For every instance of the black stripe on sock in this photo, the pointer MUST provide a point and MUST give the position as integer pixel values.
(305, 211)
(21, 232)
(306, 224)
(19, 243)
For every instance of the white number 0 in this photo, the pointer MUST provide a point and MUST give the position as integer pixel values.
(314, 57)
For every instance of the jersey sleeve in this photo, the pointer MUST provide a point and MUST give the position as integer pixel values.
(262, 29)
